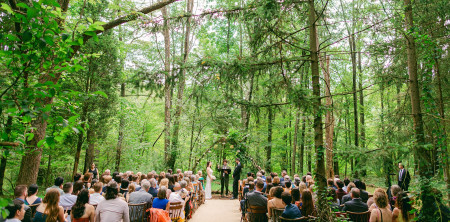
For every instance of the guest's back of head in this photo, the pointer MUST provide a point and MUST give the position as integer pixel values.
(286, 198)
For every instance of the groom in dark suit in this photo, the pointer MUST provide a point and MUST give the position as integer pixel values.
(236, 178)
(403, 177)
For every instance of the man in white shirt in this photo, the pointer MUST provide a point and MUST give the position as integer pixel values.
(97, 197)
(67, 200)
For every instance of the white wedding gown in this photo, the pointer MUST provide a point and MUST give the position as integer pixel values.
(208, 184)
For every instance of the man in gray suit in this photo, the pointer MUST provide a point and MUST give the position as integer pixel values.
(142, 196)
(257, 198)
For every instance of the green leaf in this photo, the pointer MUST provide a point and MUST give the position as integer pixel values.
(72, 119)
(7, 8)
(40, 143)
(27, 36)
(50, 141)
(29, 136)
(90, 20)
(101, 93)
(59, 138)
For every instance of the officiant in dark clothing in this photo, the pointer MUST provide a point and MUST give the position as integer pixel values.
(225, 171)
(236, 178)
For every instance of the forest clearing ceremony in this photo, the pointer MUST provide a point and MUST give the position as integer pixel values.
(224, 110)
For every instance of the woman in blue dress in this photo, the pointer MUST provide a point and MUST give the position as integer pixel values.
(161, 202)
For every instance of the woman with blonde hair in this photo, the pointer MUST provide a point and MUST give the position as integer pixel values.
(381, 212)
(131, 189)
(48, 210)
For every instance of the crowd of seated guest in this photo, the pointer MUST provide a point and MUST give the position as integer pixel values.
(298, 197)
(107, 198)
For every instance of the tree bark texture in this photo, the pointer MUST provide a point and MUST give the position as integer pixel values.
(294, 146)
(167, 86)
(329, 118)
(355, 96)
(121, 133)
(323, 210)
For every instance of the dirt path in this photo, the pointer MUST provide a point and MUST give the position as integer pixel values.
(218, 210)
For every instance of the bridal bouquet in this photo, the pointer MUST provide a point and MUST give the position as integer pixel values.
(213, 177)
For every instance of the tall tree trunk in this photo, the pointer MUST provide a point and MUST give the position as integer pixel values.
(302, 146)
(361, 112)
(355, 98)
(444, 145)
(5, 154)
(294, 146)
(422, 154)
(323, 210)
(181, 85)
(90, 139)
(329, 118)
(80, 139)
(121, 134)
(270, 121)
(167, 86)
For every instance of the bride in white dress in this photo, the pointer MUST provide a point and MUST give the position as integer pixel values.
(209, 179)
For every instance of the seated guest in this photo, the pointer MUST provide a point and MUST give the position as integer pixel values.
(142, 196)
(161, 201)
(82, 211)
(332, 199)
(256, 198)
(276, 202)
(382, 213)
(97, 197)
(340, 192)
(16, 211)
(32, 197)
(135, 181)
(346, 182)
(77, 187)
(291, 211)
(287, 184)
(276, 181)
(112, 208)
(307, 204)
(131, 189)
(87, 179)
(20, 193)
(68, 199)
(402, 208)
(76, 177)
(330, 183)
(348, 197)
(49, 210)
(356, 204)
(171, 184)
(106, 180)
(394, 190)
(124, 188)
(362, 186)
(57, 185)
(269, 184)
(153, 190)
(295, 192)
(164, 183)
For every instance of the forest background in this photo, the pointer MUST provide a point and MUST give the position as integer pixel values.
(333, 87)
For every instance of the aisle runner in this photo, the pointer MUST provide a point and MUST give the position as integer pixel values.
(223, 210)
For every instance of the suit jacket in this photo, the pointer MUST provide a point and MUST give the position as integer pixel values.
(355, 205)
(222, 171)
(405, 179)
(364, 195)
(237, 172)
(346, 198)
(291, 212)
(256, 198)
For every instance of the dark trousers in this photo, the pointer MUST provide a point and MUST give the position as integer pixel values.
(235, 187)
(403, 185)
(224, 183)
